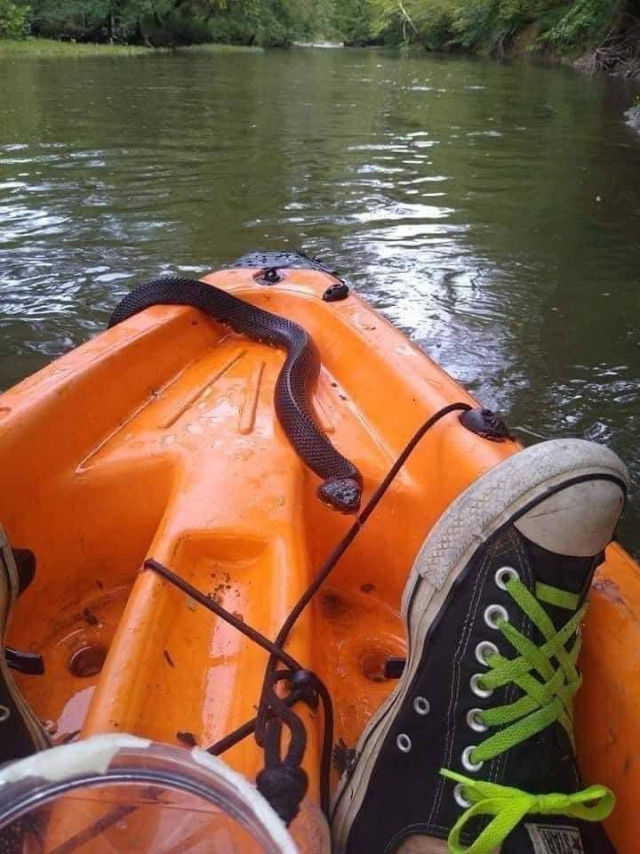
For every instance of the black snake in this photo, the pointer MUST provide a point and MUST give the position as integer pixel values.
(342, 486)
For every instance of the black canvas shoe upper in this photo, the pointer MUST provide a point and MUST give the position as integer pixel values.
(437, 723)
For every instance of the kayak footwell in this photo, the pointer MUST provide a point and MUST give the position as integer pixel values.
(159, 440)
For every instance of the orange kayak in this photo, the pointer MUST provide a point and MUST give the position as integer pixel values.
(159, 439)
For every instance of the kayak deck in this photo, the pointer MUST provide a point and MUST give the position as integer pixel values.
(158, 439)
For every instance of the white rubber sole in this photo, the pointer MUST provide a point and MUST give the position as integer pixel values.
(470, 520)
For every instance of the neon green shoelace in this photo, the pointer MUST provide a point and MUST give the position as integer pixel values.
(548, 678)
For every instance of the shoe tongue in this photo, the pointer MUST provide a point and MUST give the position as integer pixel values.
(566, 573)
(546, 763)
(530, 838)
(557, 836)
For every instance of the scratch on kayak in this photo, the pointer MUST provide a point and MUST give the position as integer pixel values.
(609, 590)
(324, 409)
(249, 409)
(193, 398)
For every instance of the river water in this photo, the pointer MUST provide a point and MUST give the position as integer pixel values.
(492, 211)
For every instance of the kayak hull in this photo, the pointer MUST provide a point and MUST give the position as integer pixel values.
(158, 439)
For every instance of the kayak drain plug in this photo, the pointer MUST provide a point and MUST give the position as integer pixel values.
(87, 661)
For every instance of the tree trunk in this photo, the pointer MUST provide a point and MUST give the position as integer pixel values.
(408, 17)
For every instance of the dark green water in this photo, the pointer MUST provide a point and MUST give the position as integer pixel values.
(491, 211)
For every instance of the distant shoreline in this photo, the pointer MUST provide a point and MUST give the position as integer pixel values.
(43, 48)
(51, 48)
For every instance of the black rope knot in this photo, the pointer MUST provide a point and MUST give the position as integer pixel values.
(284, 786)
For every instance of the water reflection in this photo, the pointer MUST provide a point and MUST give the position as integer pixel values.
(491, 211)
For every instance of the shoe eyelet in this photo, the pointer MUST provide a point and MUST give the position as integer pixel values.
(474, 720)
(484, 650)
(493, 613)
(421, 706)
(504, 575)
(458, 794)
(5, 713)
(468, 762)
(404, 742)
(477, 689)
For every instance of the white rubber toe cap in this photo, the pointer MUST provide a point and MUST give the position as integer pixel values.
(577, 521)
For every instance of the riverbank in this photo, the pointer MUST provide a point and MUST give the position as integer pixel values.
(593, 35)
(50, 48)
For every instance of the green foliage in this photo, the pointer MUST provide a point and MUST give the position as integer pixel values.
(268, 23)
(15, 20)
(585, 22)
(493, 24)
(352, 20)
(489, 25)
(116, 21)
(168, 22)
(467, 24)
(489, 22)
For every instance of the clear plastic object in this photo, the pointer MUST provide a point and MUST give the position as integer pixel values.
(117, 793)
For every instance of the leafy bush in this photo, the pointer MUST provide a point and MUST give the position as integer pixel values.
(493, 23)
(585, 22)
(488, 24)
(15, 20)
(271, 23)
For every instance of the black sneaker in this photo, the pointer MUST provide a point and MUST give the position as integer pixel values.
(21, 733)
(479, 727)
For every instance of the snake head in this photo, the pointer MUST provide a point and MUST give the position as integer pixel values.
(341, 493)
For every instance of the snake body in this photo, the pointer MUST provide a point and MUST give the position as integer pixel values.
(342, 482)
